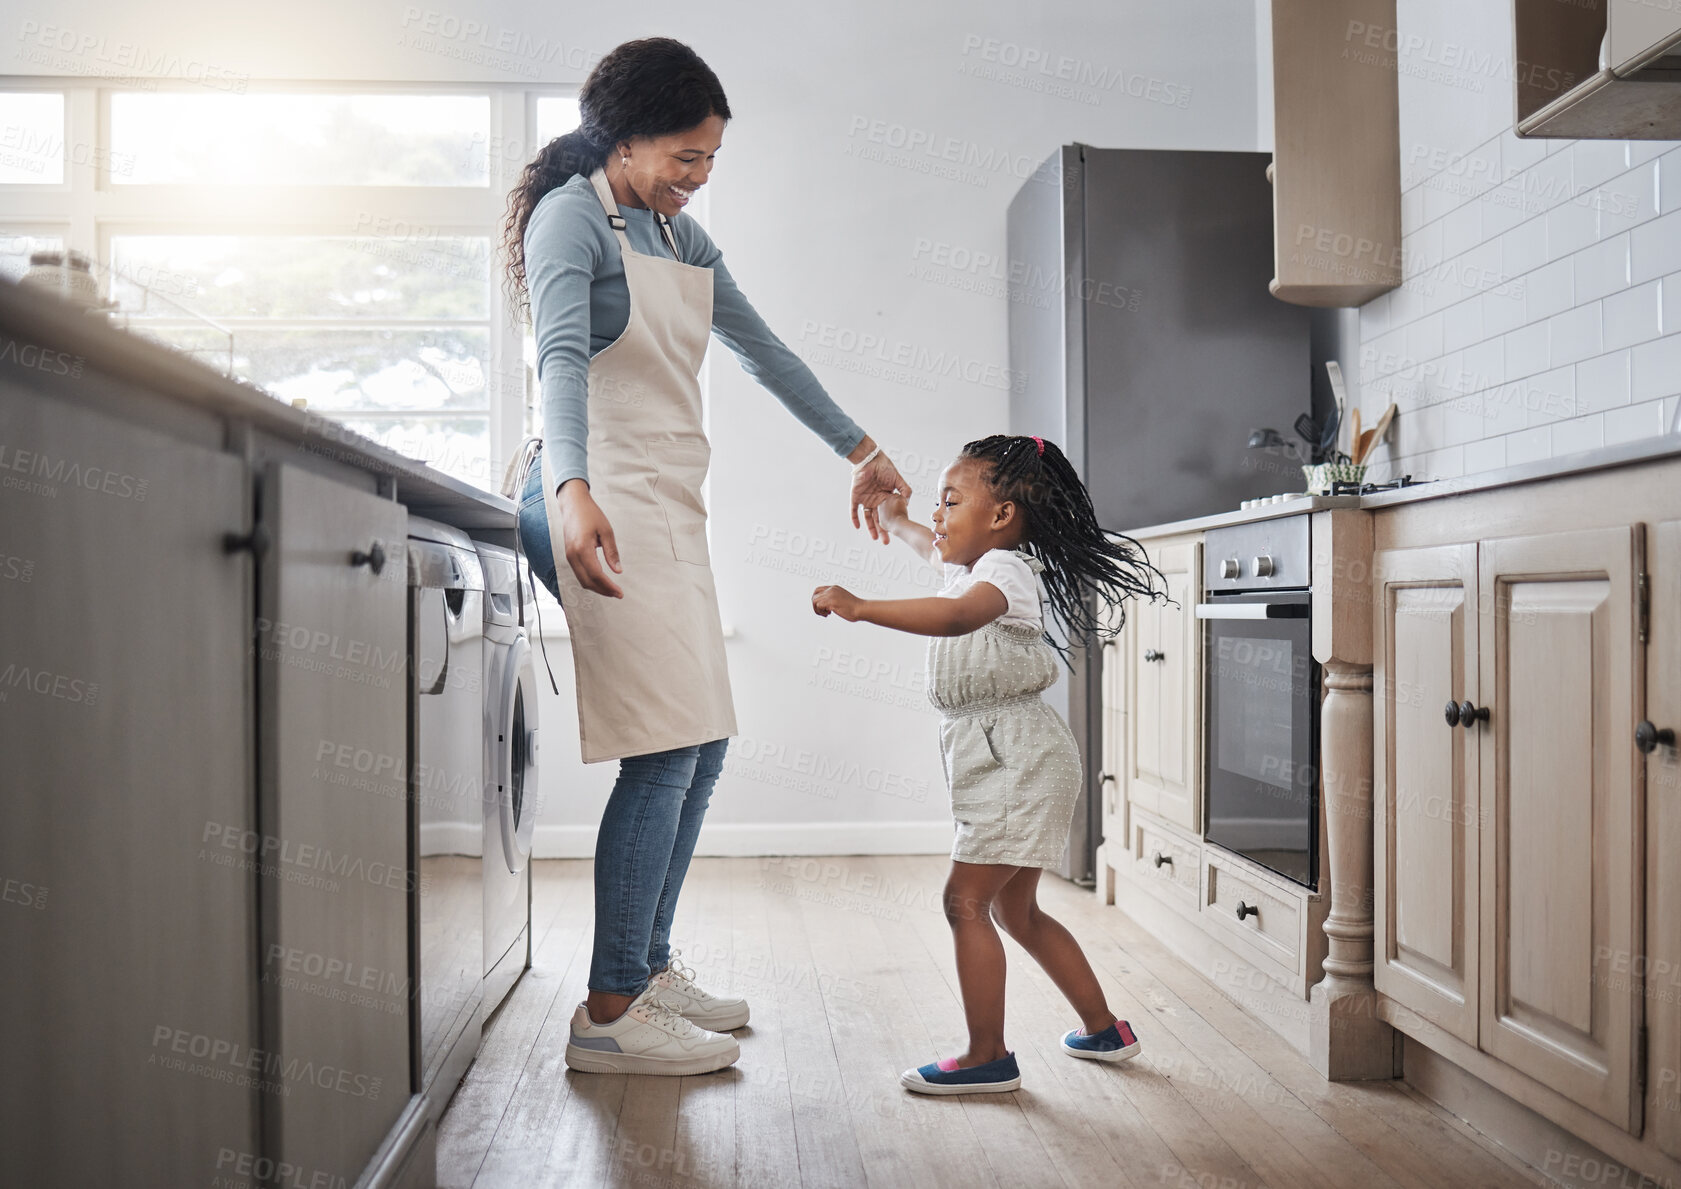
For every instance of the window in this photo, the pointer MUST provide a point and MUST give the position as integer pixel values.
(333, 245)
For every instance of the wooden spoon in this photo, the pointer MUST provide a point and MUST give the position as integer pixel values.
(1363, 445)
(1383, 424)
(1354, 434)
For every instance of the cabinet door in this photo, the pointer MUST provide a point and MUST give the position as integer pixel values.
(1559, 670)
(1165, 686)
(1425, 851)
(1115, 717)
(1662, 972)
(127, 902)
(333, 678)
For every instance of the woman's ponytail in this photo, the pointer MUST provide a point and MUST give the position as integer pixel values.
(555, 163)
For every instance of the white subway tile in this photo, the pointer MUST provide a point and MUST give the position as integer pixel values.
(1655, 248)
(1571, 226)
(1671, 406)
(1486, 455)
(1405, 304)
(1518, 154)
(1374, 317)
(1526, 351)
(1502, 209)
(1524, 247)
(1424, 338)
(1596, 161)
(1448, 463)
(1504, 307)
(1628, 200)
(1462, 324)
(1529, 445)
(1540, 400)
(1669, 181)
(1642, 151)
(1412, 211)
(1575, 334)
(1601, 268)
(1669, 302)
(1548, 182)
(1578, 434)
(1657, 368)
(1603, 382)
(1634, 422)
(1633, 315)
(1485, 364)
(1462, 229)
(1438, 202)
(1550, 289)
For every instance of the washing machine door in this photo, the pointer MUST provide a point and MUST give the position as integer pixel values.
(516, 755)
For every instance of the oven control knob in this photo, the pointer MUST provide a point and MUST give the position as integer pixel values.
(1263, 567)
(1231, 568)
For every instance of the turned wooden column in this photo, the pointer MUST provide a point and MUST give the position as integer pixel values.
(1346, 1041)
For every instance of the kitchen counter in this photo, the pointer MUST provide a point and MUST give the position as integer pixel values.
(1602, 458)
(30, 319)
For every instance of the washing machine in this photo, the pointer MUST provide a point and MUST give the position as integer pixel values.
(511, 796)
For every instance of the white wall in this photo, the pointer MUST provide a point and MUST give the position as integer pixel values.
(841, 239)
(1542, 301)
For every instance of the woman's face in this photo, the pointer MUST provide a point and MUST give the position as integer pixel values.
(665, 171)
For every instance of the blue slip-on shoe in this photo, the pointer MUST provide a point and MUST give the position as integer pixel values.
(1115, 1043)
(944, 1077)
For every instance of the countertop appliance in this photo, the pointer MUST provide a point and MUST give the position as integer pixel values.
(1261, 696)
(446, 722)
(510, 770)
(1143, 340)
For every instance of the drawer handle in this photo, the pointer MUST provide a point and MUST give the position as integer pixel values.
(1154, 654)
(1106, 778)
(257, 541)
(1647, 736)
(1158, 859)
(1452, 713)
(1470, 715)
(1247, 910)
(374, 558)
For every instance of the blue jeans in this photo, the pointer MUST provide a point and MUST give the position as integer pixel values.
(648, 831)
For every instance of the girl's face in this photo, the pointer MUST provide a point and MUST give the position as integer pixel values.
(665, 171)
(968, 520)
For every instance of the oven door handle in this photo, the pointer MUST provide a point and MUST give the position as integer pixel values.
(1252, 610)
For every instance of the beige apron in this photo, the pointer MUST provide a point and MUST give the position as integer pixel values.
(650, 667)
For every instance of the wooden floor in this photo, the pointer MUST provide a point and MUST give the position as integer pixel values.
(847, 964)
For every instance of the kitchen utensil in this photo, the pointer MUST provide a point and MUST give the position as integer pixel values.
(1328, 436)
(1354, 433)
(1383, 424)
(1308, 430)
(1363, 445)
(1339, 390)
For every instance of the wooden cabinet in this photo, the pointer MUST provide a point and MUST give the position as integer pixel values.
(1562, 91)
(1561, 869)
(1508, 859)
(335, 882)
(1336, 171)
(1426, 847)
(127, 919)
(1162, 662)
(1660, 971)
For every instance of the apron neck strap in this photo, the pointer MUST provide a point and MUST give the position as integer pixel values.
(614, 220)
(617, 221)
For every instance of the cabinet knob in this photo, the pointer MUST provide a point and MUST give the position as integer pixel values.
(1247, 910)
(1105, 778)
(1158, 859)
(1154, 654)
(257, 541)
(1452, 713)
(1263, 566)
(1470, 715)
(1647, 736)
(1230, 568)
(374, 558)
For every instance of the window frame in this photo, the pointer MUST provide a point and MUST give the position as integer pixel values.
(88, 208)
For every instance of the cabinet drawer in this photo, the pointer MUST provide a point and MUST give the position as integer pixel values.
(1174, 877)
(1274, 930)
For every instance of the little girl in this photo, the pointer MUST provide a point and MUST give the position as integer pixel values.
(1009, 509)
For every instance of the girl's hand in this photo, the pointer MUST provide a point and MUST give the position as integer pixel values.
(894, 511)
(873, 485)
(836, 600)
(585, 529)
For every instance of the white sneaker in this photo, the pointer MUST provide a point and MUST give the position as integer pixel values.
(720, 1013)
(651, 1037)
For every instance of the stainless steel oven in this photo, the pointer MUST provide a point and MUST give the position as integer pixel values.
(1261, 697)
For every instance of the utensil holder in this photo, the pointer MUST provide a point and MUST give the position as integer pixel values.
(1320, 476)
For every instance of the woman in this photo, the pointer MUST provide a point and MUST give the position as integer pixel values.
(624, 290)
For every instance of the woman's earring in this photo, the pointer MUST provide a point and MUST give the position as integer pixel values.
(624, 161)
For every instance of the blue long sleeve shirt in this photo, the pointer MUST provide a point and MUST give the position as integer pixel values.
(580, 304)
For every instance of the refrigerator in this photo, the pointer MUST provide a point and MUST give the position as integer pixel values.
(1149, 347)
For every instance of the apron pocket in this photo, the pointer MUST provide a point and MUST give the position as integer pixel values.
(680, 471)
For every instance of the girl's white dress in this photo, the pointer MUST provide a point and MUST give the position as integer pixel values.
(1011, 762)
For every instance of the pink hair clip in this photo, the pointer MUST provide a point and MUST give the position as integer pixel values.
(1040, 442)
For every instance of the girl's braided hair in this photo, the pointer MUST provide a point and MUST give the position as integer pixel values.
(1080, 559)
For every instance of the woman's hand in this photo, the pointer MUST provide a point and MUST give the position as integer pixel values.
(584, 530)
(836, 600)
(871, 486)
